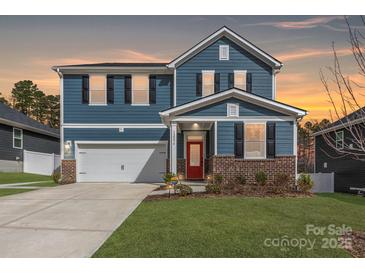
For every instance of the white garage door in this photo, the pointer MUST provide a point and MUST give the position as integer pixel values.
(121, 162)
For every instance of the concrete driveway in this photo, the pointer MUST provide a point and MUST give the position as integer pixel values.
(65, 221)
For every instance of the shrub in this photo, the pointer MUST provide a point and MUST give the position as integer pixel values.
(167, 177)
(213, 188)
(241, 179)
(218, 178)
(282, 179)
(261, 178)
(184, 190)
(56, 176)
(305, 182)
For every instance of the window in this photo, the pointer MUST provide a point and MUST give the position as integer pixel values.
(240, 79)
(97, 89)
(223, 52)
(17, 138)
(140, 89)
(208, 82)
(339, 139)
(255, 143)
(232, 110)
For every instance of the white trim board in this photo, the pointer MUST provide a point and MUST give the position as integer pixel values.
(232, 119)
(226, 32)
(121, 142)
(71, 125)
(238, 94)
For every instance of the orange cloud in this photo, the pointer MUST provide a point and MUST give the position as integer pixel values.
(307, 53)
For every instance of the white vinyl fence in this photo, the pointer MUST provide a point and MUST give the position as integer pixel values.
(323, 182)
(40, 163)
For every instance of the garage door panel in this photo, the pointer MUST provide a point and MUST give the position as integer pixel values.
(121, 163)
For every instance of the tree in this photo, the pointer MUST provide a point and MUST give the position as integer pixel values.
(345, 97)
(53, 114)
(22, 96)
(39, 106)
(3, 100)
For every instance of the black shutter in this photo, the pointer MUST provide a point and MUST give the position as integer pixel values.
(249, 82)
(199, 86)
(217, 82)
(85, 89)
(230, 80)
(127, 89)
(238, 140)
(152, 89)
(110, 89)
(270, 140)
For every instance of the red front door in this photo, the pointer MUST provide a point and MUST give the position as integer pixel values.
(194, 163)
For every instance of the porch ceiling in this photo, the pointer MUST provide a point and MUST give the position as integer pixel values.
(194, 125)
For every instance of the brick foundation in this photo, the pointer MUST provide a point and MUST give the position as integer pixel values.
(181, 167)
(230, 167)
(68, 171)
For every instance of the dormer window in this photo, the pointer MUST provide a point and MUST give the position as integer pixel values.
(240, 79)
(232, 110)
(223, 52)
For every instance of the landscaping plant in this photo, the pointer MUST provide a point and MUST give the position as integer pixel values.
(261, 178)
(184, 190)
(56, 176)
(218, 178)
(213, 188)
(241, 179)
(305, 182)
(281, 183)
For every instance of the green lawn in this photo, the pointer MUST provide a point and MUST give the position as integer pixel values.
(232, 226)
(11, 191)
(44, 184)
(10, 177)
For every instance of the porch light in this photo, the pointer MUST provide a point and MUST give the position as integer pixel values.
(195, 125)
(181, 177)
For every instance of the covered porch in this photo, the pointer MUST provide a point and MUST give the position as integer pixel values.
(192, 143)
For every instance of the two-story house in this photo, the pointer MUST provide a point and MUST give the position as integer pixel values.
(210, 110)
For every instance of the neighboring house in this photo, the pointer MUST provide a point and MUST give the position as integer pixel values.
(18, 132)
(211, 110)
(348, 172)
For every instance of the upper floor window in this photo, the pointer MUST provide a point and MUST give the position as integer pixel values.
(208, 82)
(140, 89)
(232, 110)
(255, 140)
(223, 52)
(97, 91)
(240, 79)
(339, 139)
(17, 138)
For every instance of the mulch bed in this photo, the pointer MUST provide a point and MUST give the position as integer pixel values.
(209, 195)
(356, 246)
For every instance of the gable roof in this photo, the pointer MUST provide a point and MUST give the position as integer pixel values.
(356, 117)
(235, 93)
(15, 118)
(230, 34)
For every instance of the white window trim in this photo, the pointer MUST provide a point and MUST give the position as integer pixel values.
(220, 50)
(144, 104)
(105, 90)
(21, 138)
(244, 140)
(207, 71)
(342, 139)
(229, 105)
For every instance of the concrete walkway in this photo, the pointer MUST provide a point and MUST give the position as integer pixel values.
(65, 221)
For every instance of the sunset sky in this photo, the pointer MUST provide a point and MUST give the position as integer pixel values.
(30, 45)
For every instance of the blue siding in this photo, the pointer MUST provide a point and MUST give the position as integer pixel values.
(284, 138)
(76, 112)
(113, 134)
(220, 109)
(208, 59)
(225, 138)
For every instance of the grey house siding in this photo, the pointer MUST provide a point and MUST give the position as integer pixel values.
(113, 134)
(283, 143)
(284, 138)
(208, 59)
(119, 112)
(348, 172)
(220, 109)
(31, 141)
